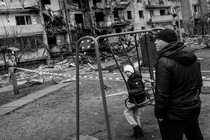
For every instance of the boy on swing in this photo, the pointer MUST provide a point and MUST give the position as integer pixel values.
(135, 86)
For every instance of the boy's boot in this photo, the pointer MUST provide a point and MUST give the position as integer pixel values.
(138, 132)
(134, 131)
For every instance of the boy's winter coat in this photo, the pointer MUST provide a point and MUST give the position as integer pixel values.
(135, 86)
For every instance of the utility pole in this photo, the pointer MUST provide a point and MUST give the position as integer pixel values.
(67, 21)
(43, 25)
(179, 24)
(88, 13)
(186, 7)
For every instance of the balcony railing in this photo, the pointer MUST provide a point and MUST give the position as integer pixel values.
(162, 18)
(122, 5)
(156, 6)
(153, 5)
(196, 15)
(20, 30)
(120, 22)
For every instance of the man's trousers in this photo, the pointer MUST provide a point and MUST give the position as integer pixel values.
(174, 131)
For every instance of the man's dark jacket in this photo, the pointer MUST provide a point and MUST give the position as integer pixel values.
(178, 84)
(135, 86)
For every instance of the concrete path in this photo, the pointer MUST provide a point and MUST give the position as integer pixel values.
(4, 109)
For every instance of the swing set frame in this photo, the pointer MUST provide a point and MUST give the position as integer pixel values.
(89, 42)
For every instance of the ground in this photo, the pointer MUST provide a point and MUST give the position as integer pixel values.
(53, 117)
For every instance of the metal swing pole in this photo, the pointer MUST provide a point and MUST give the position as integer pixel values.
(149, 54)
(121, 72)
(137, 51)
(91, 39)
(126, 53)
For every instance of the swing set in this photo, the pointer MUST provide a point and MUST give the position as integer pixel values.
(143, 40)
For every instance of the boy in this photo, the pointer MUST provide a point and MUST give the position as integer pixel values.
(135, 86)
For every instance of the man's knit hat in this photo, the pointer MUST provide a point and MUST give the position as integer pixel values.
(167, 35)
(128, 68)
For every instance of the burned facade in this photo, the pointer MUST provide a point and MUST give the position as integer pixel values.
(20, 27)
(34, 25)
(114, 16)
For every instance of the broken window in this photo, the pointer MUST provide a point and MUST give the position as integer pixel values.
(46, 2)
(141, 14)
(99, 16)
(69, 2)
(161, 2)
(96, 1)
(78, 18)
(51, 40)
(151, 12)
(116, 14)
(162, 12)
(75, 1)
(118, 30)
(129, 15)
(196, 8)
(23, 20)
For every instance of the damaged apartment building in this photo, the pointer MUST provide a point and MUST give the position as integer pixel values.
(115, 16)
(39, 27)
(33, 26)
(20, 27)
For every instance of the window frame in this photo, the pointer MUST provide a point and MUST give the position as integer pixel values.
(26, 18)
(141, 14)
(129, 15)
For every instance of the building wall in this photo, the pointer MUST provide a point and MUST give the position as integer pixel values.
(9, 19)
(203, 6)
(54, 6)
(140, 23)
(186, 6)
(12, 4)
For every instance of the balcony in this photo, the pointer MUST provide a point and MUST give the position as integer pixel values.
(20, 30)
(101, 24)
(161, 19)
(122, 5)
(120, 22)
(156, 6)
(152, 5)
(196, 15)
(12, 11)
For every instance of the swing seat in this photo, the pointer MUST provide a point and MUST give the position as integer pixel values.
(149, 93)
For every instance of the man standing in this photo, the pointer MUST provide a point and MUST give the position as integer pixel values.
(178, 86)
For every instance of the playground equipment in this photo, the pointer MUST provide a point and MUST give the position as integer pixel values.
(143, 40)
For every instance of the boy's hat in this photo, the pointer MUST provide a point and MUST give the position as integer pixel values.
(128, 68)
(167, 35)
